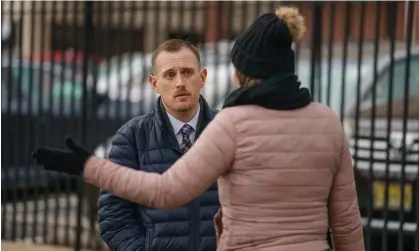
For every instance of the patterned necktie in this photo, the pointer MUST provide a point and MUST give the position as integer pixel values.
(186, 142)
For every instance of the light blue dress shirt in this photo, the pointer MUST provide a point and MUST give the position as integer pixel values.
(177, 125)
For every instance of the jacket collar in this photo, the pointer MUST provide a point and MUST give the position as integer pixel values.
(177, 124)
(206, 114)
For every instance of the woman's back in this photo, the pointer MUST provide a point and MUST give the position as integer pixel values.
(287, 166)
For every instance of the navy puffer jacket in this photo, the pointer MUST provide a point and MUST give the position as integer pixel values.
(148, 143)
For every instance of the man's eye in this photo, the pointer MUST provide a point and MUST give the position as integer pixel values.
(187, 73)
(170, 75)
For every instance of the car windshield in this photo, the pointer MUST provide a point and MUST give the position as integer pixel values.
(336, 74)
(382, 88)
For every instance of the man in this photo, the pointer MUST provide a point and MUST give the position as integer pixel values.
(153, 142)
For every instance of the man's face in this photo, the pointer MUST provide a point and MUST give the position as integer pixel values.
(178, 79)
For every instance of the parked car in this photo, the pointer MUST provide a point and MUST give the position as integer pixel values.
(39, 101)
(41, 80)
(395, 134)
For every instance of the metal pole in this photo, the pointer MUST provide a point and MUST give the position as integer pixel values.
(88, 29)
(315, 44)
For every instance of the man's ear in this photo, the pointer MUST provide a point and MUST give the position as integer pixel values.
(203, 74)
(153, 81)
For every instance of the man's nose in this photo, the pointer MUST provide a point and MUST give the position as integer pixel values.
(179, 81)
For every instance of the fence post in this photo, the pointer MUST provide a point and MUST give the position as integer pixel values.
(88, 30)
(316, 45)
(316, 60)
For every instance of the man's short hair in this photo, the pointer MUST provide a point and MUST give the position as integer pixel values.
(174, 45)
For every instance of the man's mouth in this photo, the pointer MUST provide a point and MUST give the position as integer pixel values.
(182, 95)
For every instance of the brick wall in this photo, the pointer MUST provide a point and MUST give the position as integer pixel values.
(214, 14)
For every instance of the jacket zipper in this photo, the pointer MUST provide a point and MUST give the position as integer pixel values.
(149, 236)
(194, 225)
(197, 224)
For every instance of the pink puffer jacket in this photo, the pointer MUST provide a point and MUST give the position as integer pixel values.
(285, 178)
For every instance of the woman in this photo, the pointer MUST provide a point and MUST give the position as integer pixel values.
(282, 162)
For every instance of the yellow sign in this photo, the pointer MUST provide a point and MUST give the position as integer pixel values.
(394, 196)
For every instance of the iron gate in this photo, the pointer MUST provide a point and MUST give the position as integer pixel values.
(360, 58)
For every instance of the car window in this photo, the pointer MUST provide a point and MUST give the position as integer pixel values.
(67, 89)
(32, 79)
(37, 79)
(350, 74)
(399, 77)
(6, 78)
(10, 81)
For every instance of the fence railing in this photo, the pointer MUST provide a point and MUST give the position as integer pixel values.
(81, 68)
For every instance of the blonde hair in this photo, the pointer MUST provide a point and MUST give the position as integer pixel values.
(246, 81)
(296, 26)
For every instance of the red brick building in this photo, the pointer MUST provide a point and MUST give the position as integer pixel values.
(341, 10)
(122, 26)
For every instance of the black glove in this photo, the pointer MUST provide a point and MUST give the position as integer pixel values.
(67, 161)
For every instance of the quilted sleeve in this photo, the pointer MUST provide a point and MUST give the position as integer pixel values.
(344, 215)
(119, 224)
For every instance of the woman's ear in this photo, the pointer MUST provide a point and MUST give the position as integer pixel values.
(236, 80)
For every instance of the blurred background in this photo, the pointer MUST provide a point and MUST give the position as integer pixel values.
(81, 68)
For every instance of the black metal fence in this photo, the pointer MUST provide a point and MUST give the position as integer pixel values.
(82, 67)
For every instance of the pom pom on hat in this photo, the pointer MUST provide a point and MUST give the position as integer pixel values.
(294, 21)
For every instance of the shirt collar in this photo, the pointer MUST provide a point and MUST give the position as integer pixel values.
(177, 124)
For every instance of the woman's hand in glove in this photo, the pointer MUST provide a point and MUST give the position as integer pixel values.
(67, 161)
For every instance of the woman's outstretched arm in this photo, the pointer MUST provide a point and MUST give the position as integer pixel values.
(212, 155)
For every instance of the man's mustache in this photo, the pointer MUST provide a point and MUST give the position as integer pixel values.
(181, 94)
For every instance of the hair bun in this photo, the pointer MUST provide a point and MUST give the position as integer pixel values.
(294, 20)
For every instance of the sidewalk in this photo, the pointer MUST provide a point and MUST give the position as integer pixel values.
(21, 246)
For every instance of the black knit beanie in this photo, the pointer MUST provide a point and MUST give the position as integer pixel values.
(264, 49)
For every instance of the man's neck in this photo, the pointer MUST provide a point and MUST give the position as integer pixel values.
(185, 116)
